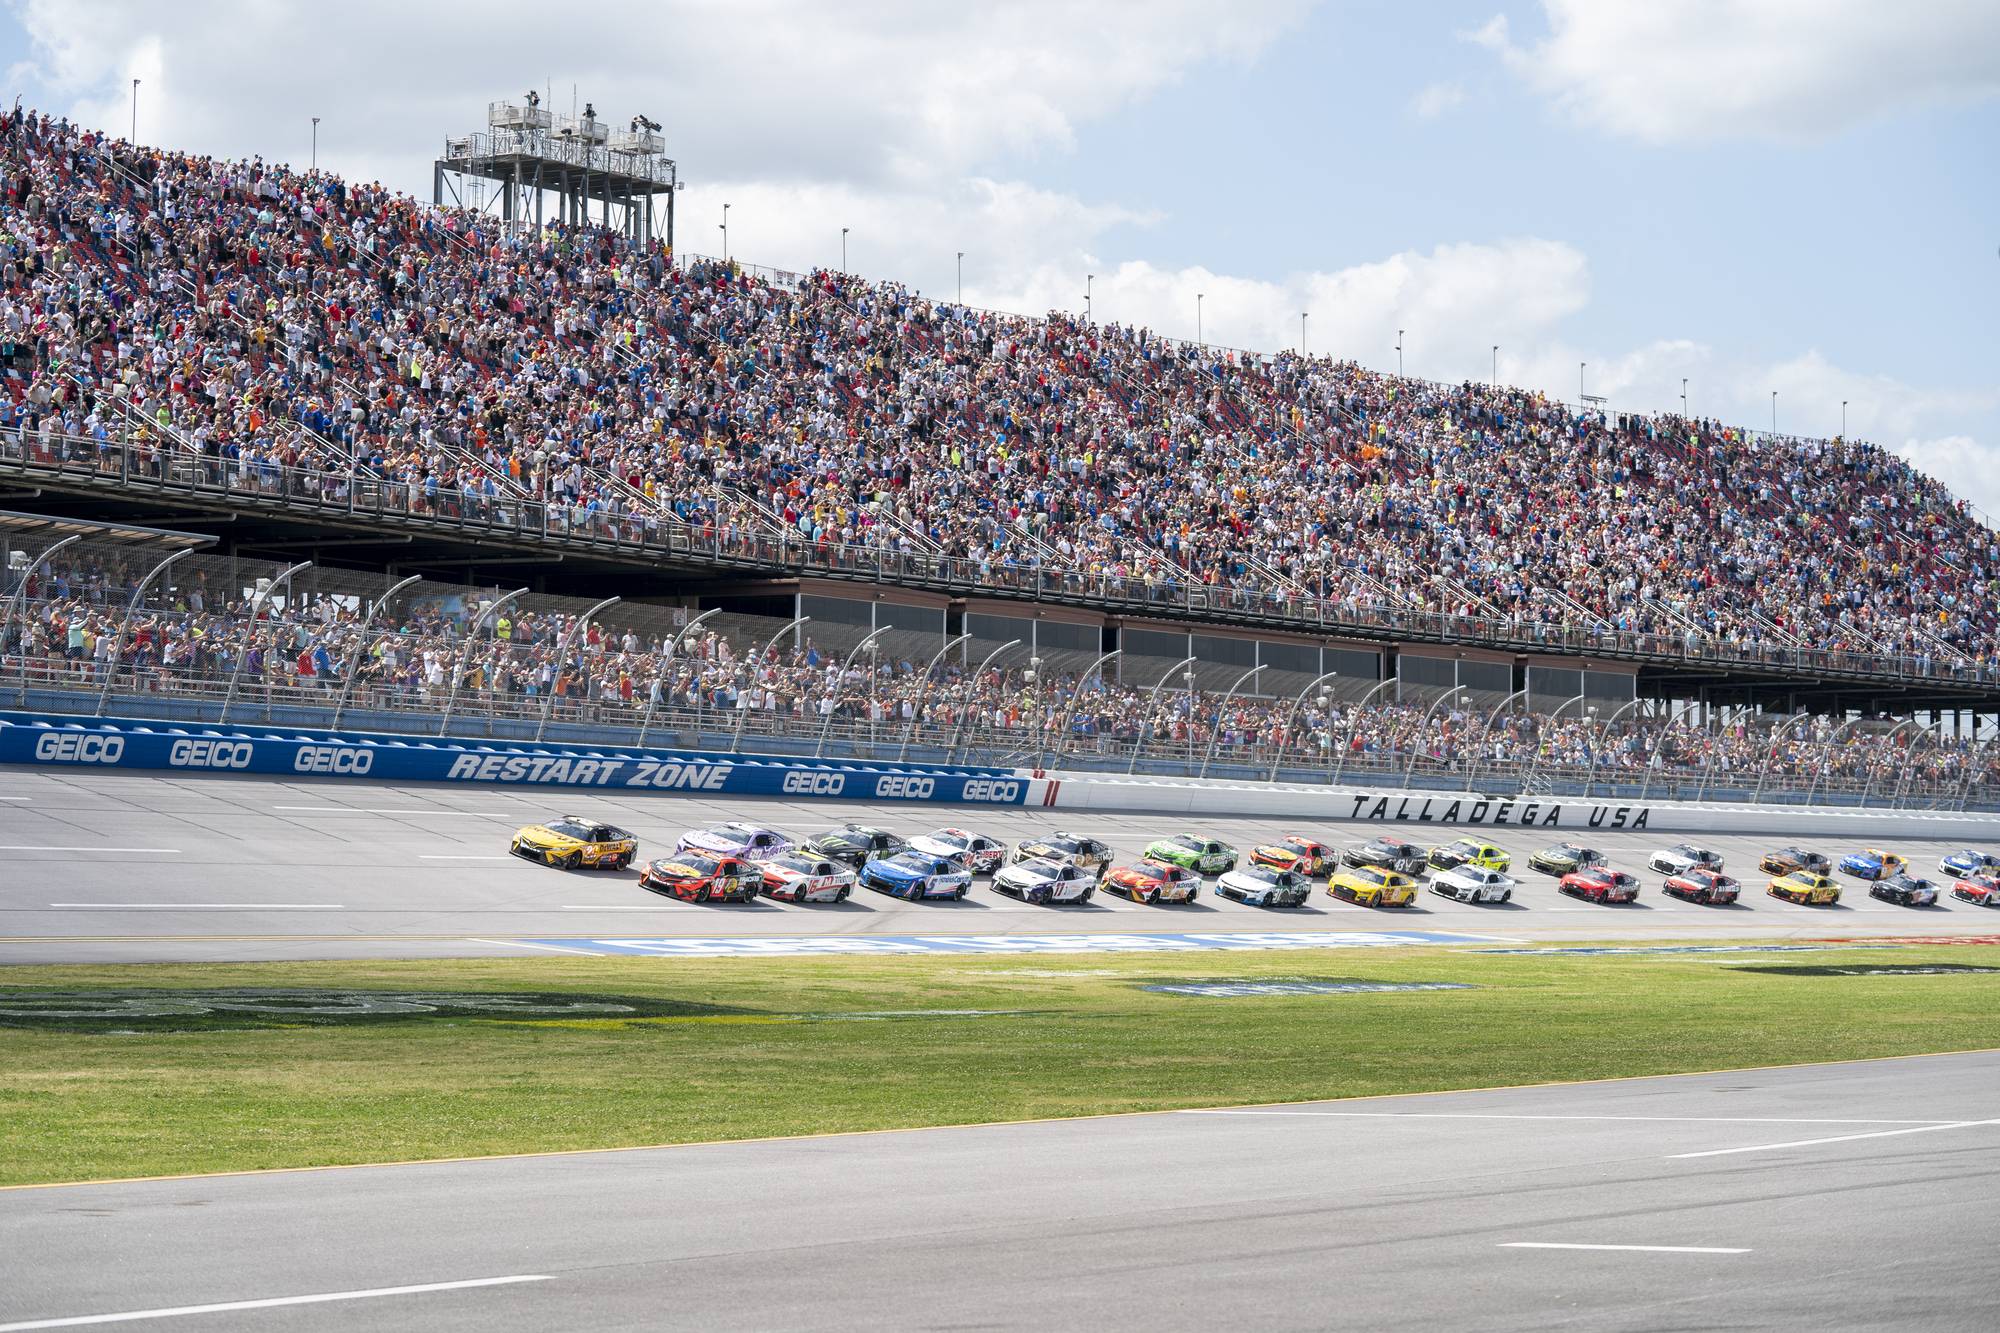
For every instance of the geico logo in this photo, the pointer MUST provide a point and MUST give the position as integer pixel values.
(990, 789)
(210, 754)
(333, 759)
(74, 749)
(907, 789)
(814, 784)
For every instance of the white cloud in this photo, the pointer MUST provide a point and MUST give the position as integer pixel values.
(1970, 469)
(1779, 69)
(1436, 99)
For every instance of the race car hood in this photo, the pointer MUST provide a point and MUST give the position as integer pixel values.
(714, 842)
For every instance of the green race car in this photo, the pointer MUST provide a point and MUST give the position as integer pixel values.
(1565, 858)
(1204, 856)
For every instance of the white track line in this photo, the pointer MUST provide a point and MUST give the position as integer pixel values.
(16, 798)
(213, 907)
(1649, 1249)
(1841, 1138)
(1650, 1119)
(522, 944)
(170, 1312)
(626, 907)
(40, 847)
(371, 810)
(464, 858)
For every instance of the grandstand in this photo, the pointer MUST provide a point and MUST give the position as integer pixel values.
(913, 527)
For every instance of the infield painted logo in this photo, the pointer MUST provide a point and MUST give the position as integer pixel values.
(810, 945)
(1236, 989)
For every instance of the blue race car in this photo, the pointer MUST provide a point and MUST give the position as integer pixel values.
(914, 875)
(1872, 863)
(1965, 863)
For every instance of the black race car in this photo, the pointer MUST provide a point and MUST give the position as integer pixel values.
(1905, 891)
(1405, 858)
(855, 845)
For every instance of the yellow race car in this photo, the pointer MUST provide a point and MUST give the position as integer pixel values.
(1469, 852)
(1805, 887)
(569, 842)
(1371, 886)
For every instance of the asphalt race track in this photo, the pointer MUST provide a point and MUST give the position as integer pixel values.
(1845, 1196)
(124, 868)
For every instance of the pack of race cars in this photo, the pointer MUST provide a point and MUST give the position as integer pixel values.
(736, 862)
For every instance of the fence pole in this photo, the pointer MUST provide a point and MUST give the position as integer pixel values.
(465, 655)
(1215, 732)
(351, 668)
(125, 627)
(924, 694)
(742, 713)
(576, 627)
(250, 633)
(17, 606)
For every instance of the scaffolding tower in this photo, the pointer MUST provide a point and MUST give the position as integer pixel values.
(531, 154)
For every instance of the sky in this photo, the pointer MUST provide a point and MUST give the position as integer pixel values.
(1753, 196)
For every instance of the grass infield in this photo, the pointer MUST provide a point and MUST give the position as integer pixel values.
(111, 1078)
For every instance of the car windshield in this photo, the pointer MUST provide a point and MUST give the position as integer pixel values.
(569, 828)
(1262, 874)
(1185, 843)
(913, 861)
(1371, 876)
(955, 841)
(1468, 847)
(700, 865)
(800, 864)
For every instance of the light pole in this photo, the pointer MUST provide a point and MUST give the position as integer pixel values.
(1496, 364)
(1292, 716)
(725, 239)
(1088, 278)
(125, 628)
(1302, 332)
(1774, 411)
(135, 111)
(315, 165)
(472, 625)
(1826, 755)
(250, 630)
(1399, 354)
(1197, 317)
(1597, 747)
(1843, 418)
(961, 277)
(1581, 366)
(1684, 398)
(1876, 766)
(843, 247)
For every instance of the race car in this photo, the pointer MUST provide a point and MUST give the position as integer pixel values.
(1372, 886)
(800, 877)
(1965, 863)
(1682, 857)
(1787, 859)
(1296, 852)
(1905, 891)
(733, 839)
(1405, 858)
(1087, 853)
(1154, 882)
(1699, 884)
(912, 875)
(1042, 880)
(1191, 851)
(1982, 890)
(854, 845)
(1873, 863)
(1469, 852)
(570, 841)
(979, 855)
(1565, 858)
(1808, 888)
(1470, 883)
(700, 878)
(1265, 886)
(1600, 884)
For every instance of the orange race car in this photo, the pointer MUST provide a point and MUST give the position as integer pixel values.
(699, 877)
(1296, 852)
(1154, 882)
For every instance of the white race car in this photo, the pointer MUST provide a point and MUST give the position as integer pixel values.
(1265, 886)
(979, 855)
(1470, 884)
(1040, 880)
(748, 841)
(798, 878)
(1683, 857)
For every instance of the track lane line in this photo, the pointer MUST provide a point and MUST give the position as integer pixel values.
(272, 1302)
(1838, 1138)
(1645, 1249)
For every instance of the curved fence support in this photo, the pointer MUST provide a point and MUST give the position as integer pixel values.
(1410, 772)
(924, 694)
(1215, 732)
(1354, 730)
(667, 659)
(1826, 757)
(1535, 766)
(1292, 717)
(578, 626)
(1597, 749)
(1153, 711)
(1875, 765)
(826, 727)
(971, 685)
(352, 667)
(125, 626)
(1486, 735)
(472, 628)
(1069, 713)
(250, 633)
(18, 603)
(743, 713)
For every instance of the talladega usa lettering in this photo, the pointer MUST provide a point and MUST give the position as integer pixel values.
(1460, 810)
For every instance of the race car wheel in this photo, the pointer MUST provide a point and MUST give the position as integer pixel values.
(1086, 896)
(1506, 895)
(1039, 897)
(570, 862)
(701, 894)
(959, 897)
(840, 894)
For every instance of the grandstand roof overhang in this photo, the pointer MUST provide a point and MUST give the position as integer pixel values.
(28, 528)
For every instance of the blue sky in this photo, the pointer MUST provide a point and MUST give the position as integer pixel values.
(1788, 194)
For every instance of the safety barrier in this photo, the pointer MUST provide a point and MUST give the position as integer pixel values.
(131, 744)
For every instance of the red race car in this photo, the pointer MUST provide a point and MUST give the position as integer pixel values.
(1154, 882)
(1983, 890)
(698, 877)
(1295, 852)
(1699, 885)
(1600, 884)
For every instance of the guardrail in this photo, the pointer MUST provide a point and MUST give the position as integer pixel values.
(647, 538)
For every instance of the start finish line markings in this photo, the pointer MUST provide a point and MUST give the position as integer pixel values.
(798, 946)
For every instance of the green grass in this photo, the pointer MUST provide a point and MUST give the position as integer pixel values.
(740, 1048)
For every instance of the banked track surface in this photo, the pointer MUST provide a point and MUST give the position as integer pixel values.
(126, 868)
